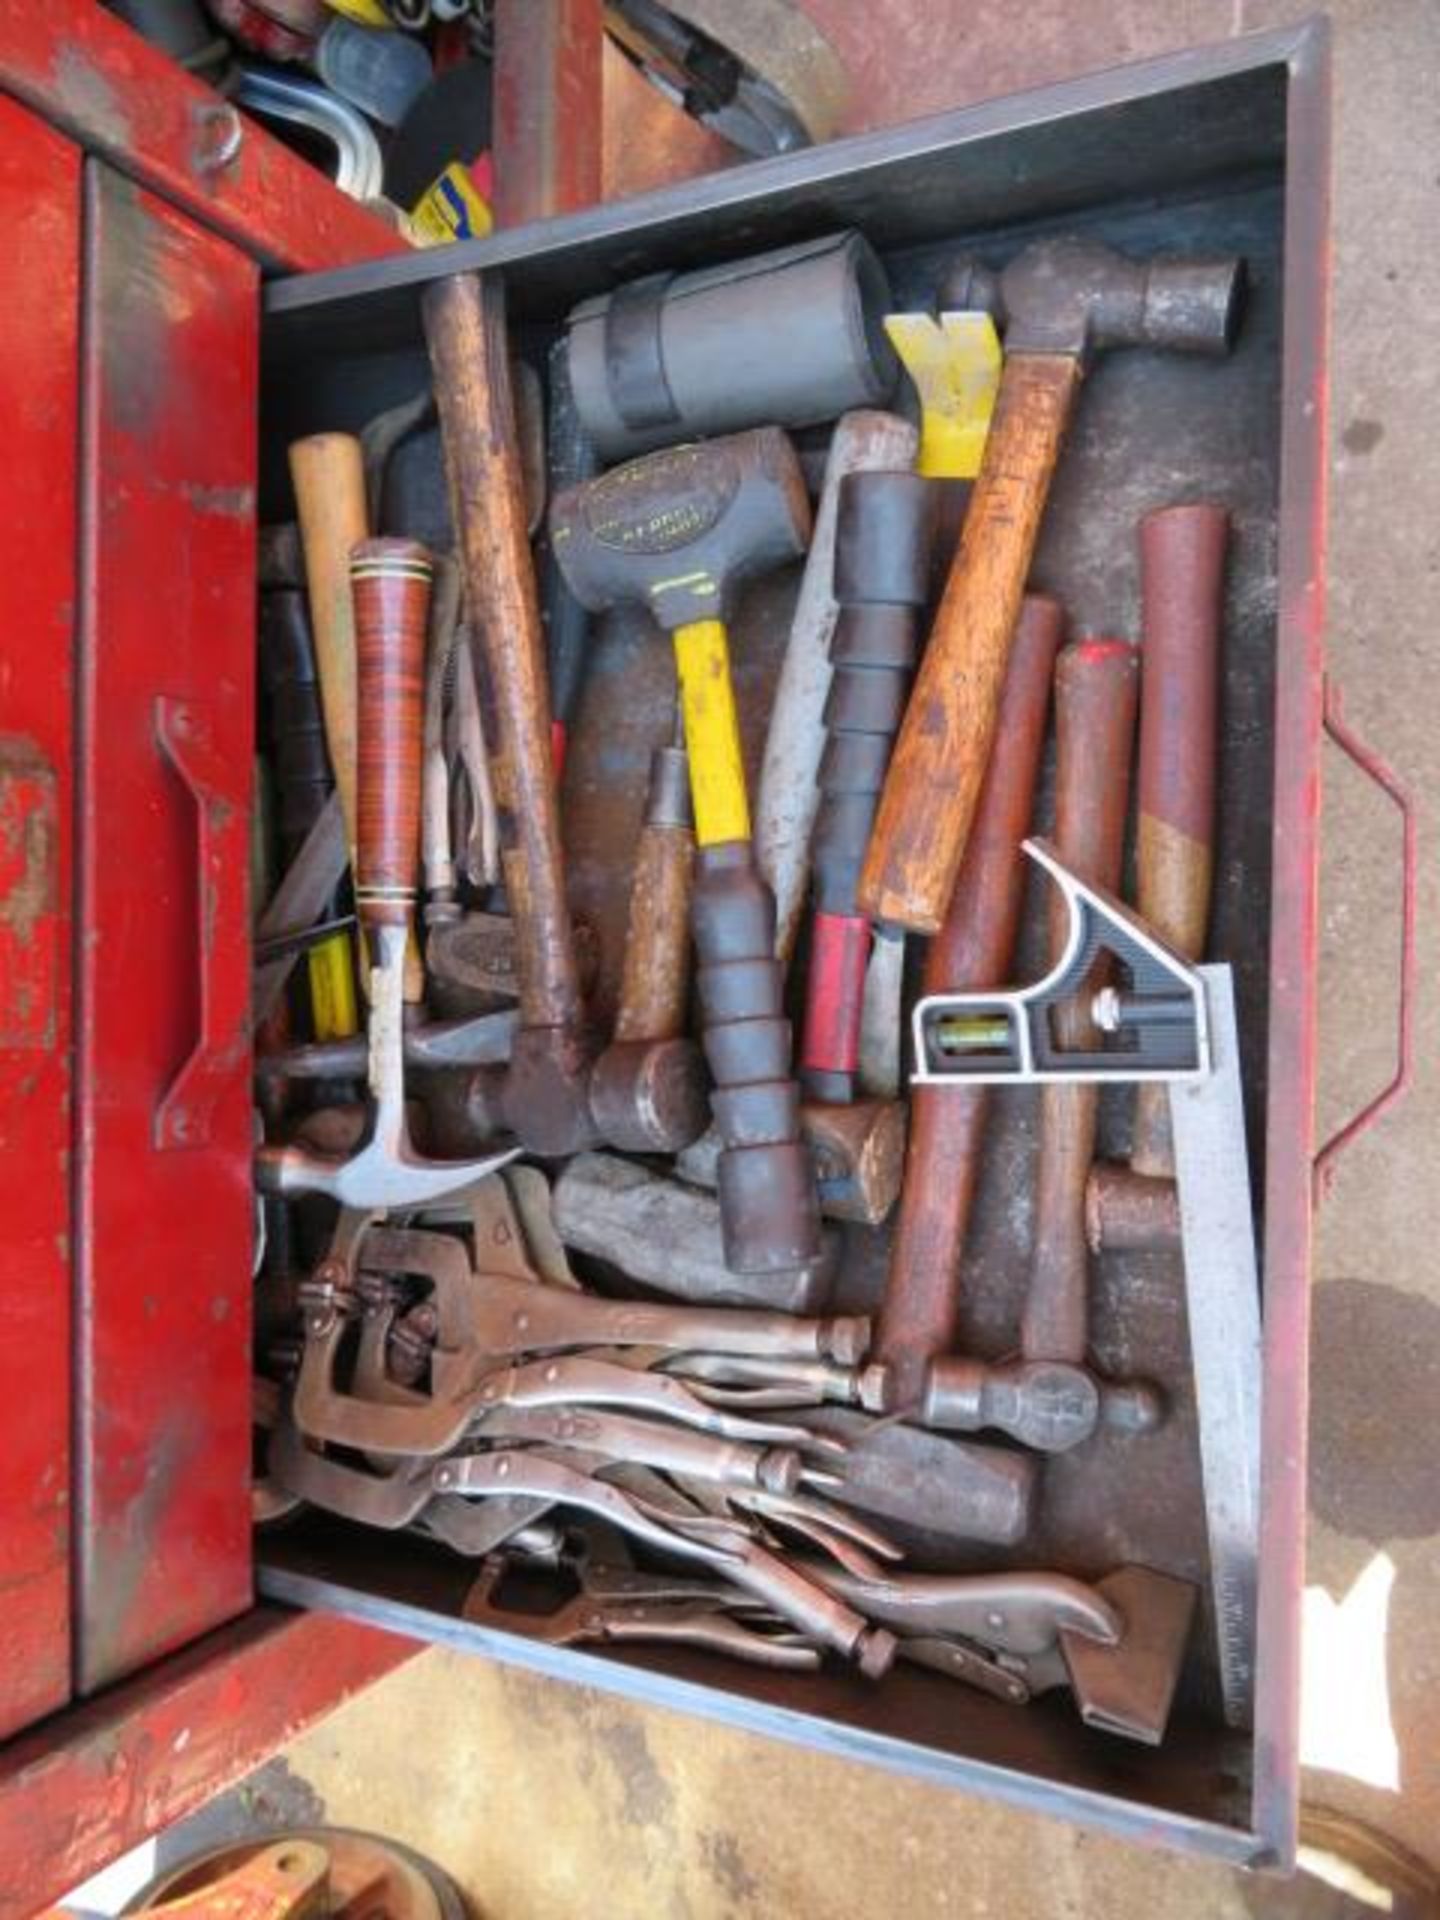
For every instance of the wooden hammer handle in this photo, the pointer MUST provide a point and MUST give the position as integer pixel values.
(328, 474)
(933, 783)
(1096, 688)
(654, 982)
(972, 951)
(1182, 567)
(469, 354)
(391, 584)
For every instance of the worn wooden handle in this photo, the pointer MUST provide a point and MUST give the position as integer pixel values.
(1182, 569)
(465, 333)
(653, 986)
(929, 798)
(972, 951)
(391, 584)
(1096, 690)
(328, 474)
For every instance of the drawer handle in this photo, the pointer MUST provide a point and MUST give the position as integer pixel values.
(184, 1113)
(1370, 763)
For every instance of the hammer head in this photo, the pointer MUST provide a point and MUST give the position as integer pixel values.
(650, 1096)
(1072, 296)
(679, 530)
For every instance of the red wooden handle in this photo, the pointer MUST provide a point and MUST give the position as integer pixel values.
(1096, 689)
(390, 581)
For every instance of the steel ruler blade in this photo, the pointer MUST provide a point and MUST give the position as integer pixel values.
(1222, 1291)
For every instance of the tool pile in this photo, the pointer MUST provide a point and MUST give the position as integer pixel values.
(685, 1445)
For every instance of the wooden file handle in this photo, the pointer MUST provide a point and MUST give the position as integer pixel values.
(1096, 688)
(933, 783)
(972, 951)
(391, 584)
(653, 986)
(1182, 568)
(328, 474)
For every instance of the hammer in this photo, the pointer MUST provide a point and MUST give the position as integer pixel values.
(678, 531)
(545, 1098)
(1051, 1400)
(1182, 567)
(648, 1093)
(1064, 300)
(1096, 685)
(972, 950)
(391, 580)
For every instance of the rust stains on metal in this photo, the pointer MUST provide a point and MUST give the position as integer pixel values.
(85, 93)
(29, 843)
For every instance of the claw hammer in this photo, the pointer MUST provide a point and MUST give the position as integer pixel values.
(391, 581)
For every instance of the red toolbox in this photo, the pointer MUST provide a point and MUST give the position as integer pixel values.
(138, 323)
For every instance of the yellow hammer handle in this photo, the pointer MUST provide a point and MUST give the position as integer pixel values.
(712, 733)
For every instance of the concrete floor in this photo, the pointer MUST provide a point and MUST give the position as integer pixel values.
(547, 1801)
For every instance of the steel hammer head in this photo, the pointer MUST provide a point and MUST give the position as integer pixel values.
(679, 530)
(1073, 296)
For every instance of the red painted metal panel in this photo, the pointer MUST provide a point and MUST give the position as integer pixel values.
(39, 215)
(164, 1220)
(89, 74)
(162, 1744)
(547, 119)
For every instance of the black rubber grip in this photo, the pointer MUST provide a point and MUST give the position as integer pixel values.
(769, 1210)
(295, 724)
(882, 559)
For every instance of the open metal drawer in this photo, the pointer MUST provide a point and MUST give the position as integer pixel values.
(1217, 149)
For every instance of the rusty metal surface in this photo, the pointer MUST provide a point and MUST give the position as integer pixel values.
(163, 1112)
(40, 209)
(158, 1746)
(547, 119)
(1230, 419)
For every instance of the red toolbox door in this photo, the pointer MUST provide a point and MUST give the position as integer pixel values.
(166, 717)
(40, 218)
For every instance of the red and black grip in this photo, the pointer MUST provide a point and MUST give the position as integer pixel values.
(390, 584)
(883, 532)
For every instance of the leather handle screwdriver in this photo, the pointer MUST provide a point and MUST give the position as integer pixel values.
(972, 950)
(1096, 688)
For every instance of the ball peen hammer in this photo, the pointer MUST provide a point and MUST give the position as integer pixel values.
(546, 1092)
(1063, 301)
(1096, 688)
(1050, 1399)
(391, 581)
(1182, 569)
(972, 950)
(677, 532)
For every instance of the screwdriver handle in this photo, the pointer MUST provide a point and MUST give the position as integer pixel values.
(390, 580)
